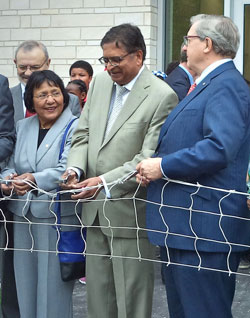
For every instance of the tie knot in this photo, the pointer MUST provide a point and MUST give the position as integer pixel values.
(192, 87)
(120, 90)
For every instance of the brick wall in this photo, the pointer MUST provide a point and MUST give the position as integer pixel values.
(71, 29)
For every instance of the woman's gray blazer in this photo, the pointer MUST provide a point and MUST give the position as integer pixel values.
(43, 163)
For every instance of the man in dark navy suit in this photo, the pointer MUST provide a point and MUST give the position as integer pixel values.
(205, 140)
(7, 130)
(182, 77)
(7, 138)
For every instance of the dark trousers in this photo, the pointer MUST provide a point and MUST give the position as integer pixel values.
(9, 303)
(193, 293)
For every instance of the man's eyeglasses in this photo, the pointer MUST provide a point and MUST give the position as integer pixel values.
(32, 68)
(44, 96)
(187, 37)
(114, 60)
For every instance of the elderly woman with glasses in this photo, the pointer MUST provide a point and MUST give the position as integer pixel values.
(35, 162)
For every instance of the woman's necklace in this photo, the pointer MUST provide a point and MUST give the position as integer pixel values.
(43, 126)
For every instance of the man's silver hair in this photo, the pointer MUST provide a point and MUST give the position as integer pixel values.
(221, 30)
(30, 45)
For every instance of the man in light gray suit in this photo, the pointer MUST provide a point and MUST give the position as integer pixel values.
(111, 138)
(33, 56)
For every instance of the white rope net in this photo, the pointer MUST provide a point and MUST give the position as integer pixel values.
(137, 228)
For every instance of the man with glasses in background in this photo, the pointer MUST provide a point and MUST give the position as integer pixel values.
(31, 56)
(120, 125)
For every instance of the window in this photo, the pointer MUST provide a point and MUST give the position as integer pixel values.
(178, 13)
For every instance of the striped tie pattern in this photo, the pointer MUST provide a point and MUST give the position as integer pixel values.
(117, 106)
(192, 87)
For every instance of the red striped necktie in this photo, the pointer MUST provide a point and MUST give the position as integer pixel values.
(192, 87)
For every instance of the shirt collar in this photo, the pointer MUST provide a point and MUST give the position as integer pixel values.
(210, 68)
(22, 88)
(191, 79)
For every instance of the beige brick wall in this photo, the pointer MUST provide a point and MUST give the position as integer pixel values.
(71, 29)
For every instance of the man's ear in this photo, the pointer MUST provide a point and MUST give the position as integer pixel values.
(209, 45)
(48, 62)
(139, 55)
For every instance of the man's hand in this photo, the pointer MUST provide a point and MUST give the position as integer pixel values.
(70, 179)
(149, 170)
(88, 194)
(21, 183)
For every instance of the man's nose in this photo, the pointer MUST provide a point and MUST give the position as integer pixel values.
(109, 66)
(28, 72)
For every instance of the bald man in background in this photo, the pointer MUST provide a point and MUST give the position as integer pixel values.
(33, 56)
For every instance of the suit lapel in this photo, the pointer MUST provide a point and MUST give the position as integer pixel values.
(102, 116)
(181, 106)
(134, 100)
(32, 126)
(18, 102)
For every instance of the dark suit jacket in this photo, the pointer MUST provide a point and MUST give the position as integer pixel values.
(7, 130)
(16, 92)
(9, 305)
(206, 139)
(179, 81)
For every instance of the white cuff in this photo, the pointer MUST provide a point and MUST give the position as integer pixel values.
(163, 171)
(106, 189)
(78, 171)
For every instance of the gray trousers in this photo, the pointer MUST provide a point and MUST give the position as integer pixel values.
(40, 290)
(118, 287)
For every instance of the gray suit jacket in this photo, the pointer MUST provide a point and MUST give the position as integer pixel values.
(7, 129)
(42, 163)
(16, 92)
(132, 138)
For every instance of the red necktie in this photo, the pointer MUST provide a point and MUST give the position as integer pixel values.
(192, 87)
(29, 114)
